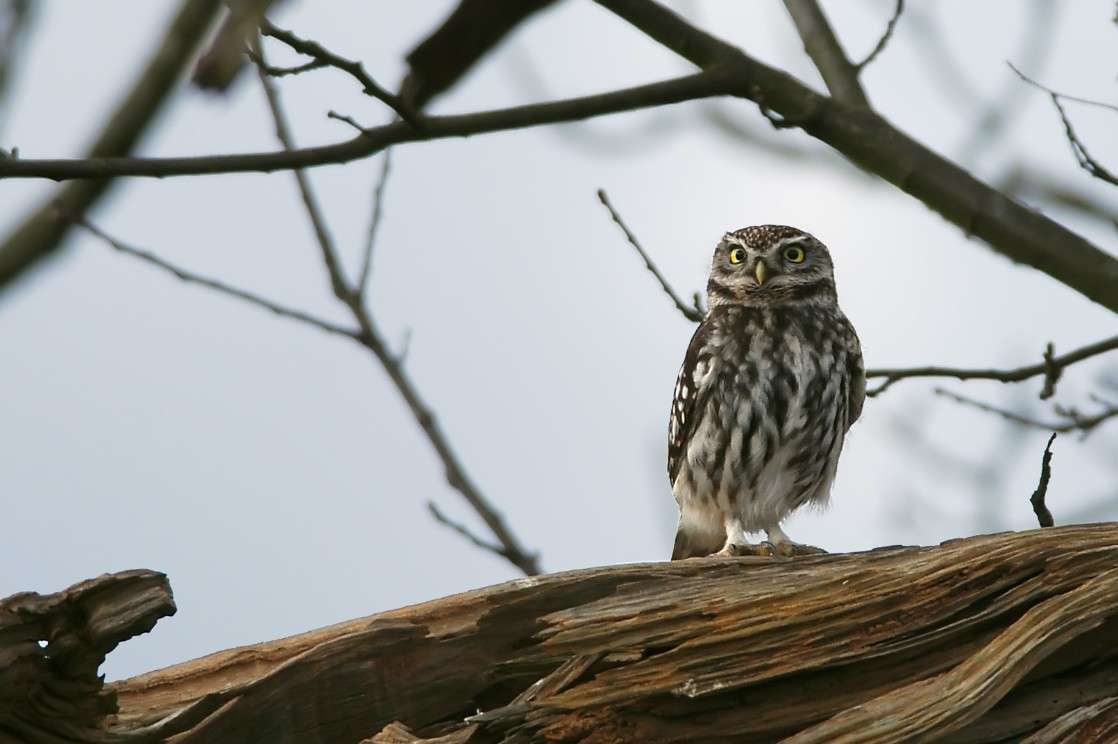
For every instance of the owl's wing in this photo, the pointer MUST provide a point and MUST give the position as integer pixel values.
(690, 398)
(856, 371)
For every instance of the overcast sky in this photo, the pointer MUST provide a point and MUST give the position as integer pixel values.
(273, 472)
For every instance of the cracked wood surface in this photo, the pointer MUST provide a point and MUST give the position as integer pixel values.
(987, 639)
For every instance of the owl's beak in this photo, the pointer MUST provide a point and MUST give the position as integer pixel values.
(761, 272)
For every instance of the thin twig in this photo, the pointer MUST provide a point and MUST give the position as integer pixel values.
(1073, 420)
(1043, 516)
(821, 44)
(314, 212)
(347, 120)
(884, 40)
(464, 532)
(355, 69)
(274, 71)
(694, 313)
(1051, 368)
(1078, 149)
(191, 278)
(374, 223)
(371, 338)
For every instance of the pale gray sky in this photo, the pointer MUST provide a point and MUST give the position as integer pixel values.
(273, 472)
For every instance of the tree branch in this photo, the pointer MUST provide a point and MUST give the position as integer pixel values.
(15, 21)
(373, 140)
(369, 336)
(692, 312)
(325, 58)
(863, 136)
(462, 530)
(220, 64)
(1072, 419)
(374, 224)
(1052, 367)
(40, 233)
(218, 286)
(1043, 516)
(889, 644)
(1086, 162)
(821, 44)
(318, 223)
(884, 40)
(871, 142)
(472, 30)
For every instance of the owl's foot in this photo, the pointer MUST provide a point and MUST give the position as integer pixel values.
(740, 549)
(792, 549)
(782, 545)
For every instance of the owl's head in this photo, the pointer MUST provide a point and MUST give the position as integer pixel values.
(770, 265)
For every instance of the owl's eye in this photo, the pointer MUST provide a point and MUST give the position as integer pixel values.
(737, 255)
(795, 254)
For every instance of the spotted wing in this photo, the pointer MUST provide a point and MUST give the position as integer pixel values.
(690, 398)
(856, 371)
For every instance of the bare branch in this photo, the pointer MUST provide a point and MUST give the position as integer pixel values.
(1043, 516)
(273, 71)
(869, 141)
(392, 364)
(471, 31)
(884, 40)
(1072, 419)
(462, 530)
(1052, 367)
(191, 278)
(374, 223)
(373, 140)
(40, 233)
(346, 119)
(222, 61)
(354, 69)
(821, 44)
(873, 143)
(1086, 162)
(693, 313)
(1023, 182)
(314, 212)
(15, 21)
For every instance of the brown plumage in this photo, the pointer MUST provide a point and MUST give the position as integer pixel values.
(771, 382)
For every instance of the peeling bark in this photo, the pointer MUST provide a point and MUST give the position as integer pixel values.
(986, 639)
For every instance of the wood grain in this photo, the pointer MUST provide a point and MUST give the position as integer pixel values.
(986, 639)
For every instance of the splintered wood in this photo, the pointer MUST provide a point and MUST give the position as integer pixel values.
(992, 638)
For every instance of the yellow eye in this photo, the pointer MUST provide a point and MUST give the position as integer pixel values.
(795, 254)
(737, 255)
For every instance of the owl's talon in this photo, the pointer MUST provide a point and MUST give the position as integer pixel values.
(792, 550)
(764, 550)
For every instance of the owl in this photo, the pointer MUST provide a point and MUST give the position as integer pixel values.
(771, 382)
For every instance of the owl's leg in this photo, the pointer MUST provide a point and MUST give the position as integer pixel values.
(736, 541)
(783, 545)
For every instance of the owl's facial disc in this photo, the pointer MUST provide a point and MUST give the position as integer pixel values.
(768, 264)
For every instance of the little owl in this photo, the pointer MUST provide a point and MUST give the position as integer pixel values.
(771, 382)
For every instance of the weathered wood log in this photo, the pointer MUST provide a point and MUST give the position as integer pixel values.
(987, 639)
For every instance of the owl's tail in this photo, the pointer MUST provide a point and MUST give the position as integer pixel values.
(692, 545)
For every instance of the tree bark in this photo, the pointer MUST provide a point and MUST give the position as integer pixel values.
(986, 639)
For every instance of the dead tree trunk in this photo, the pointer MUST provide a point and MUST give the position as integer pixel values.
(981, 640)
